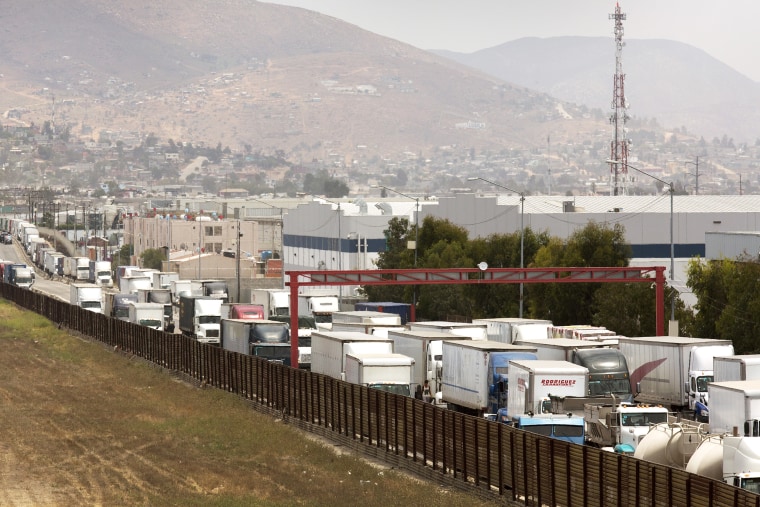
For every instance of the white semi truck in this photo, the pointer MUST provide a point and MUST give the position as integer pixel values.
(147, 314)
(672, 371)
(77, 268)
(276, 302)
(387, 372)
(426, 348)
(319, 304)
(100, 273)
(199, 317)
(266, 339)
(87, 296)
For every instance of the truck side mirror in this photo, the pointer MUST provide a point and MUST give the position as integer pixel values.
(638, 387)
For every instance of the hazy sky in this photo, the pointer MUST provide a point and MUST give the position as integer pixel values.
(727, 31)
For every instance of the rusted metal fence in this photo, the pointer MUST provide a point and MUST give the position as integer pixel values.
(487, 458)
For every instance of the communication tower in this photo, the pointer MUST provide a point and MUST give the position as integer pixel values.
(620, 143)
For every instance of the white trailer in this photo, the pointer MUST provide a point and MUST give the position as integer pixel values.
(163, 279)
(373, 329)
(387, 372)
(742, 367)
(131, 284)
(426, 348)
(54, 263)
(471, 330)
(474, 374)
(558, 349)
(329, 350)
(503, 329)
(732, 403)
(366, 317)
(179, 288)
(531, 383)
(671, 370)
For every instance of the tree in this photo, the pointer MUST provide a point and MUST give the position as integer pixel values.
(593, 246)
(395, 256)
(629, 309)
(728, 303)
(152, 258)
(122, 257)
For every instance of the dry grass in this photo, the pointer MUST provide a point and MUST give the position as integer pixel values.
(85, 426)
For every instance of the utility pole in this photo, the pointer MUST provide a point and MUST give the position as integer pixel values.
(619, 116)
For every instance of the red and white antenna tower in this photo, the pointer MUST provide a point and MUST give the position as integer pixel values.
(619, 117)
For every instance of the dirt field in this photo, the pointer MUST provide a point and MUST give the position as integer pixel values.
(85, 425)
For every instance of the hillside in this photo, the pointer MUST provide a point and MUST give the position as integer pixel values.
(243, 73)
(675, 83)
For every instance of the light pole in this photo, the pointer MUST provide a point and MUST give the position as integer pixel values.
(416, 232)
(672, 248)
(237, 261)
(340, 262)
(416, 215)
(522, 230)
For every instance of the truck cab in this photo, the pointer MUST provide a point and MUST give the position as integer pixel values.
(607, 372)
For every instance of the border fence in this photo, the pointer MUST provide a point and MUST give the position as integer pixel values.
(486, 458)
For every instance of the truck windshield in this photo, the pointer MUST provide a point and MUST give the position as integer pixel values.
(90, 304)
(150, 322)
(209, 319)
(702, 383)
(555, 430)
(272, 353)
(643, 418)
(618, 387)
(23, 280)
(751, 484)
(269, 333)
(323, 319)
(121, 312)
(401, 389)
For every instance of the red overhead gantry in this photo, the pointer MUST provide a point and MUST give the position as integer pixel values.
(458, 276)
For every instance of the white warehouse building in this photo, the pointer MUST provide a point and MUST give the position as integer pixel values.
(348, 234)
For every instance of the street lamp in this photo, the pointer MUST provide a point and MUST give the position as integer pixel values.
(522, 229)
(672, 249)
(416, 215)
(281, 213)
(416, 232)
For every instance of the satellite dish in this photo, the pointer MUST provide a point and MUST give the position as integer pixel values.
(482, 266)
